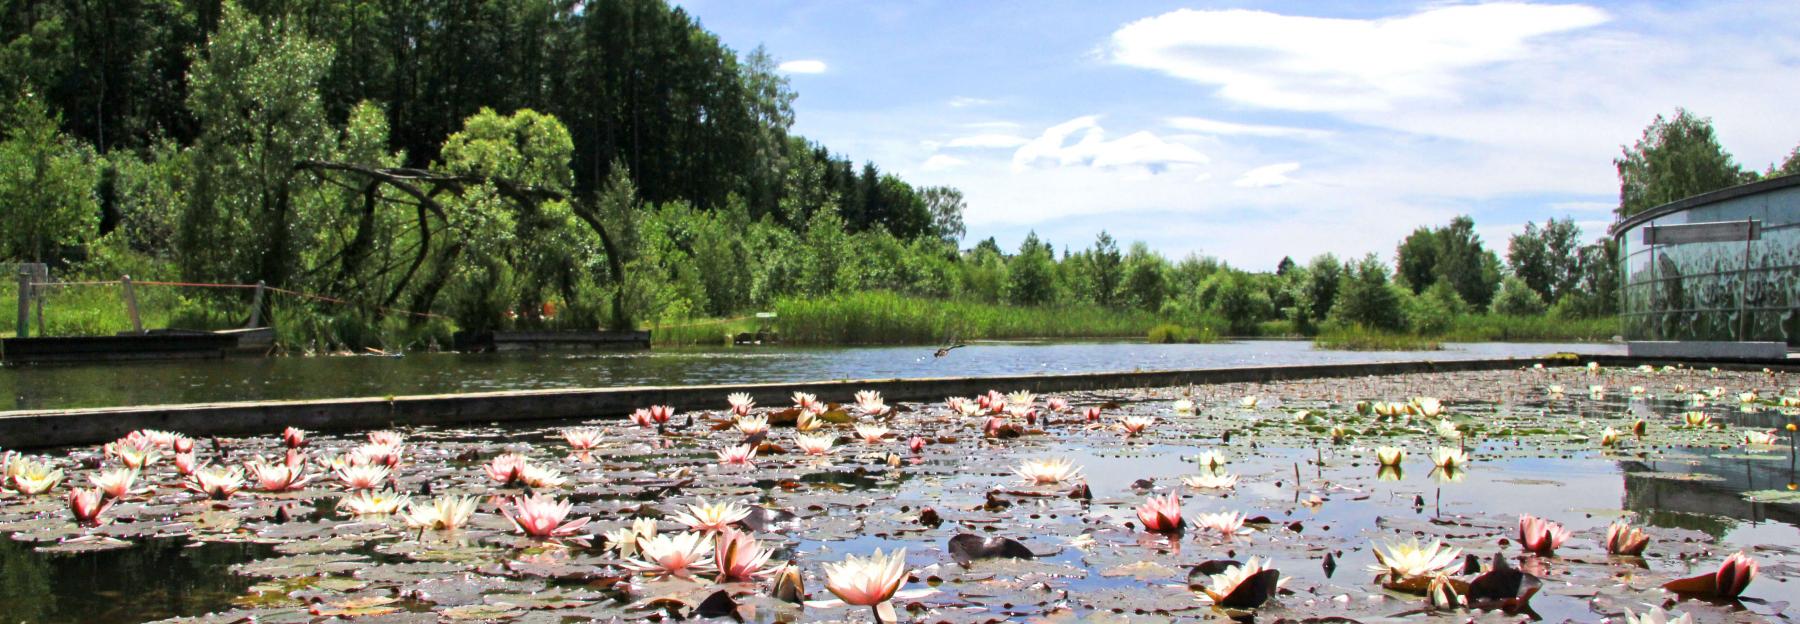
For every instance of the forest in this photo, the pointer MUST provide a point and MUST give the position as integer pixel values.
(418, 168)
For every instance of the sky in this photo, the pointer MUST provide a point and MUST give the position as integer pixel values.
(1250, 131)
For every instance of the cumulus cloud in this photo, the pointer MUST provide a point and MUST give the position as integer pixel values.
(965, 102)
(988, 141)
(803, 66)
(1267, 176)
(1333, 64)
(1216, 127)
(1081, 142)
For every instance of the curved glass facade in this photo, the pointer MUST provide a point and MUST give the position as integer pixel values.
(1707, 282)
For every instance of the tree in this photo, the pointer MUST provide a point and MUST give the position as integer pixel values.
(47, 182)
(1546, 258)
(1462, 261)
(1105, 269)
(1146, 284)
(1416, 259)
(1032, 273)
(1517, 299)
(1320, 290)
(945, 205)
(1788, 166)
(1366, 298)
(1674, 159)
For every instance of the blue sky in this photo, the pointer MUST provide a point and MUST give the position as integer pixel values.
(1254, 130)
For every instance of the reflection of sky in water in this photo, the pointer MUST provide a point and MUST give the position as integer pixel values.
(424, 373)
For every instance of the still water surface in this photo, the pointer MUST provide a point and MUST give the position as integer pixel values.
(427, 373)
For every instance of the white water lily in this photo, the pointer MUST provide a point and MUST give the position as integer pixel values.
(1211, 459)
(1409, 559)
(1447, 457)
(1249, 402)
(1429, 407)
(678, 555)
(1047, 471)
(1211, 481)
(815, 444)
(752, 425)
(373, 503)
(1656, 615)
(712, 517)
(1024, 398)
(445, 513)
(1390, 455)
(1448, 429)
(871, 433)
(1184, 406)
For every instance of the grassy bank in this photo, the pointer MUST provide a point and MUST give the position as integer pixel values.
(1471, 328)
(1364, 339)
(705, 333)
(886, 318)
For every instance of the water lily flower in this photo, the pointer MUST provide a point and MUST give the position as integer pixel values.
(1761, 438)
(868, 582)
(1233, 587)
(87, 504)
(134, 452)
(216, 482)
(805, 401)
(1135, 425)
(1091, 414)
(115, 483)
(373, 503)
(1609, 437)
(1448, 457)
(1161, 515)
(278, 477)
(815, 444)
(1249, 402)
(1339, 433)
(741, 403)
(740, 455)
(1056, 404)
(625, 539)
(641, 418)
(660, 414)
(1556, 391)
(1697, 420)
(538, 477)
(1184, 406)
(961, 406)
(752, 426)
(385, 454)
(504, 468)
(677, 555)
(1624, 539)
(1656, 615)
(1390, 455)
(1638, 391)
(1021, 397)
(788, 585)
(1593, 368)
(738, 557)
(1448, 429)
(1226, 523)
(186, 464)
(365, 477)
(869, 401)
(1728, 582)
(1541, 536)
(1717, 391)
(916, 444)
(293, 437)
(1596, 392)
(1390, 409)
(1211, 459)
(1211, 481)
(1048, 471)
(1409, 560)
(583, 438)
(1638, 428)
(542, 515)
(712, 517)
(444, 513)
(386, 438)
(871, 433)
(808, 421)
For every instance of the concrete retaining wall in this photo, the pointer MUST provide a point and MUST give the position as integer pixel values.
(50, 428)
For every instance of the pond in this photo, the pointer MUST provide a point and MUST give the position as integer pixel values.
(1711, 474)
(45, 387)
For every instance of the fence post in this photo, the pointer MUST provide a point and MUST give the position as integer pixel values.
(131, 309)
(256, 305)
(24, 304)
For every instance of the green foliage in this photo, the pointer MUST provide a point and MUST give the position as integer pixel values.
(877, 317)
(47, 182)
(1170, 333)
(1453, 253)
(1517, 299)
(1146, 285)
(1546, 259)
(1431, 313)
(1031, 275)
(1366, 298)
(1361, 338)
(1676, 158)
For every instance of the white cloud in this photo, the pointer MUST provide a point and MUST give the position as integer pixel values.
(1267, 176)
(965, 102)
(1141, 151)
(941, 162)
(992, 125)
(803, 66)
(1583, 206)
(988, 140)
(1329, 64)
(1226, 128)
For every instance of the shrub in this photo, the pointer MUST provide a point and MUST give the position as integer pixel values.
(1517, 299)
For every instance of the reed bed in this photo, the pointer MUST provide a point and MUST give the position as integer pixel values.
(887, 318)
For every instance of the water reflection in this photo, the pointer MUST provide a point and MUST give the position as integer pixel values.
(152, 579)
(296, 378)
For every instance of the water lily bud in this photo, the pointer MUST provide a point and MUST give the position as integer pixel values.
(788, 585)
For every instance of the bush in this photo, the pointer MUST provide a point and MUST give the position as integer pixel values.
(1434, 311)
(1359, 338)
(1366, 298)
(1517, 299)
(1170, 333)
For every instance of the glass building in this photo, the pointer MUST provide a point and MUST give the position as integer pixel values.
(1722, 266)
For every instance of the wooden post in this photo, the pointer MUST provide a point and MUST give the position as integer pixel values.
(256, 305)
(39, 301)
(24, 304)
(131, 309)
(1744, 283)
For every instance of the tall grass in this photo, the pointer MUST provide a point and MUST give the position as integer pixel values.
(1359, 338)
(709, 332)
(887, 318)
(1502, 328)
(1170, 333)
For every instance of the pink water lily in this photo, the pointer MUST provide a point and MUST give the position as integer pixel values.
(542, 516)
(583, 438)
(366, 477)
(186, 464)
(87, 505)
(115, 483)
(867, 582)
(293, 437)
(1161, 515)
(505, 468)
(740, 455)
(216, 482)
(387, 438)
(278, 477)
(1624, 539)
(1541, 536)
(678, 555)
(738, 557)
